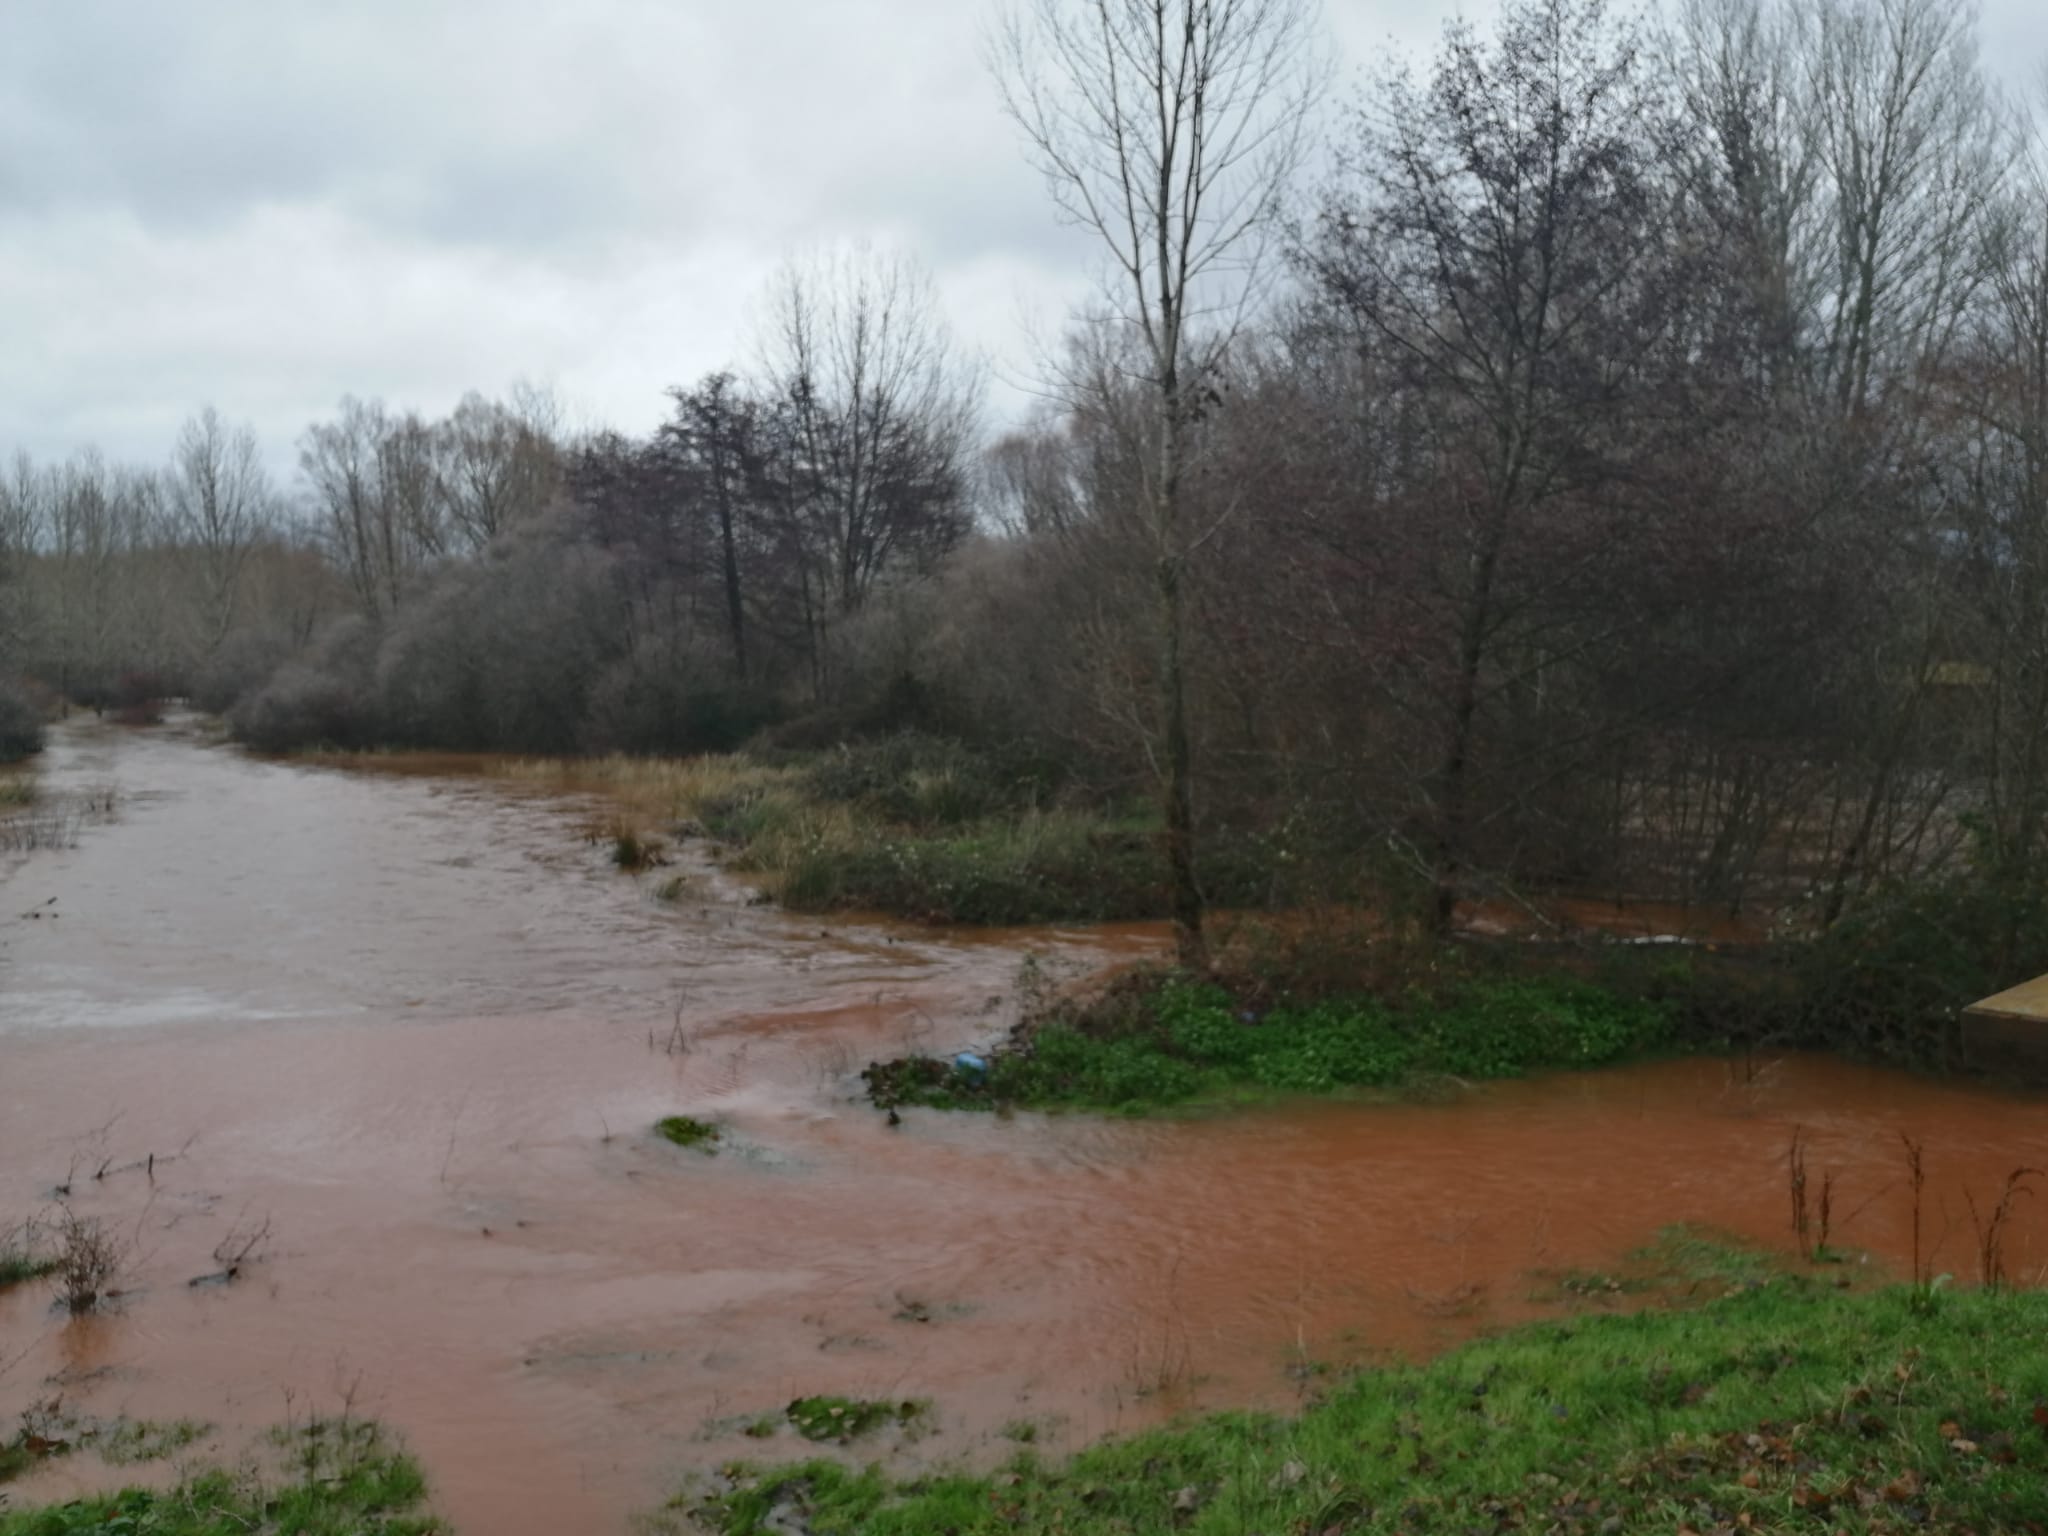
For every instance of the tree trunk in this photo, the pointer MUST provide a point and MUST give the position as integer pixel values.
(1451, 777)
(1177, 780)
(1190, 945)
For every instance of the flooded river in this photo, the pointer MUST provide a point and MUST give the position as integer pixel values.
(419, 1026)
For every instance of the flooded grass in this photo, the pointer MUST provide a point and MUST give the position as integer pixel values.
(685, 1132)
(1783, 1405)
(914, 829)
(1685, 1264)
(24, 1256)
(47, 1432)
(845, 1419)
(349, 1479)
(1179, 1043)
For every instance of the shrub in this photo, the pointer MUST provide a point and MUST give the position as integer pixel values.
(21, 725)
(137, 698)
(925, 781)
(1890, 980)
(89, 1256)
(302, 707)
(241, 664)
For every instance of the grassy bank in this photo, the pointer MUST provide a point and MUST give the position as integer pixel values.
(330, 1477)
(1785, 1406)
(912, 826)
(1158, 1041)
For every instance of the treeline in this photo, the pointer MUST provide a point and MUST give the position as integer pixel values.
(1633, 480)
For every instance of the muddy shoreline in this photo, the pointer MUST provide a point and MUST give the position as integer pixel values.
(421, 1026)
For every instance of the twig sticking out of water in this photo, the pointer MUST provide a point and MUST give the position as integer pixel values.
(1991, 1231)
(1795, 1180)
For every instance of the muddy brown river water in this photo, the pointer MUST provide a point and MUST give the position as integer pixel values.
(418, 1025)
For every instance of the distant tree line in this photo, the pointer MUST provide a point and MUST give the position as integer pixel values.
(1628, 475)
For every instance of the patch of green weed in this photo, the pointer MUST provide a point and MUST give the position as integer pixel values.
(848, 1418)
(686, 1132)
(1190, 1041)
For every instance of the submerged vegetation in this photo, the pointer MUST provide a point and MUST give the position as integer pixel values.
(845, 1419)
(344, 1477)
(24, 1256)
(685, 1132)
(1782, 1405)
(910, 825)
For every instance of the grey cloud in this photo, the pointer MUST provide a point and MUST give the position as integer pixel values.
(268, 203)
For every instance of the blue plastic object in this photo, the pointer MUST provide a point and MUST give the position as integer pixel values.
(967, 1064)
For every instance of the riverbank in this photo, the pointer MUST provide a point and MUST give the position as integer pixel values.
(1784, 1405)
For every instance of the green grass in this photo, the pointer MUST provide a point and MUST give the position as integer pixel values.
(1186, 1042)
(348, 1480)
(1785, 1406)
(20, 1268)
(845, 1419)
(685, 1132)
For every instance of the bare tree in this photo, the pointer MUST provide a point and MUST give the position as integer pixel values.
(1913, 147)
(1170, 130)
(716, 426)
(499, 463)
(376, 491)
(874, 415)
(223, 504)
(1031, 485)
(1751, 164)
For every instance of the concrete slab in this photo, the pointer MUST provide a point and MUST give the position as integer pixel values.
(2008, 1033)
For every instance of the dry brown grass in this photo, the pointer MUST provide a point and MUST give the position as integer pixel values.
(652, 799)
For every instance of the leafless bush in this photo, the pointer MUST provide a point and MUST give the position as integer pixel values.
(90, 1256)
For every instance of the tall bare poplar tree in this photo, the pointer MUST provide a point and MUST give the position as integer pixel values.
(224, 504)
(1169, 129)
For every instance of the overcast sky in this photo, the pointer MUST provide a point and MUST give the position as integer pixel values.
(265, 204)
